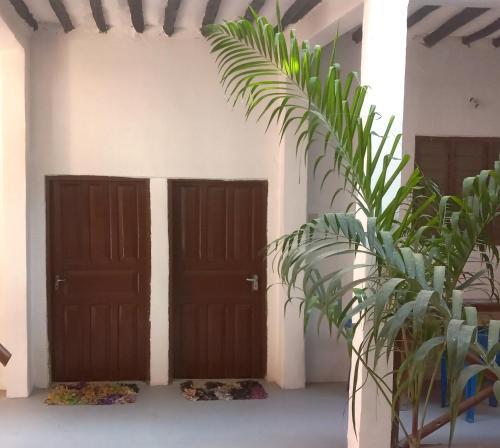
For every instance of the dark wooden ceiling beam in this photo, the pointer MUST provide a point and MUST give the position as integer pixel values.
(62, 15)
(136, 15)
(496, 42)
(98, 14)
(24, 12)
(5, 355)
(457, 21)
(171, 11)
(482, 33)
(256, 5)
(211, 11)
(419, 15)
(297, 11)
(357, 35)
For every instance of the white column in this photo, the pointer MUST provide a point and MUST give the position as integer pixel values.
(159, 282)
(383, 63)
(294, 214)
(13, 289)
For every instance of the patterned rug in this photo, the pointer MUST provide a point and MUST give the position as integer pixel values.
(214, 390)
(92, 393)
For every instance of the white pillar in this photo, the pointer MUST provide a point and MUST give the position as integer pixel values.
(383, 63)
(159, 374)
(294, 214)
(13, 289)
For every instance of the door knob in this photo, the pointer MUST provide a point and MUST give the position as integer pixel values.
(254, 280)
(58, 281)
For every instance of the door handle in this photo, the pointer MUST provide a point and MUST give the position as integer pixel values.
(254, 280)
(58, 281)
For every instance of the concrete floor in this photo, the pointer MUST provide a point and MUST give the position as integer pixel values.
(312, 418)
(161, 417)
(483, 433)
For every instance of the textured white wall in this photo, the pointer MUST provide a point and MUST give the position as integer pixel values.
(326, 357)
(2, 220)
(13, 265)
(141, 106)
(439, 83)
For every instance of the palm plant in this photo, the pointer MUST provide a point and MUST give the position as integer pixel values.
(407, 296)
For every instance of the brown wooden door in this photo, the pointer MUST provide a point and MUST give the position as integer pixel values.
(99, 278)
(449, 160)
(217, 234)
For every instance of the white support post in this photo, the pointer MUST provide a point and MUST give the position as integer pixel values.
(383, 64)
(159, 374)
(13, 284)
(294, 214)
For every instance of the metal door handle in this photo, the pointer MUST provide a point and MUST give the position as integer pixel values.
(254, 280)
(58, 281)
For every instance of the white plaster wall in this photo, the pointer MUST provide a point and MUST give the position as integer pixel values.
(89, 97)
(140, 106)
(439, 83)
(13, 261)
(3, 310)
(326, 356)
(14, 247)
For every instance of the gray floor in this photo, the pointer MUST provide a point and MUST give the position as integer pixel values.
(312, 418)
(483, 433)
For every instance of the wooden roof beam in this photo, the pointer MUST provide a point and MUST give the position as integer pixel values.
(137, 15)
(256, 5)
(171, 11)
(420, 14)
(454, 23)
(24, 12)
(211, 11)
(5, 355)
(98, 14)
(357, 35)
(482, 33)
(62, 15)
(297, 11)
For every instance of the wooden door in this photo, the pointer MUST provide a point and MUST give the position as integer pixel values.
(217, 234)
(449, 160)
(98, 278)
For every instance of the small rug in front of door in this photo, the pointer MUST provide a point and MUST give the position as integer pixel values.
(92, 394)
(215, 390)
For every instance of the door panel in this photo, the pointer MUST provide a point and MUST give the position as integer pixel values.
(449, 160)
(99, 278)
(217, 233)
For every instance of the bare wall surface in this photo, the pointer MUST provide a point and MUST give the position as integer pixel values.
(13, 259)
(439, 84)
(140, 106)
(148, 106)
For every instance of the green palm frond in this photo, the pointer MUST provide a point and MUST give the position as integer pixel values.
(279, 78)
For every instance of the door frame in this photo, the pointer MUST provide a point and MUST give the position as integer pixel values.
(49, 273)
(171, 308)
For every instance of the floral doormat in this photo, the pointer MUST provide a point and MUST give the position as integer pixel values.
(214, 390)
(92, 393)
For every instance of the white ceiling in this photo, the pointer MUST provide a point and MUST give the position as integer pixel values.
(191, 14)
